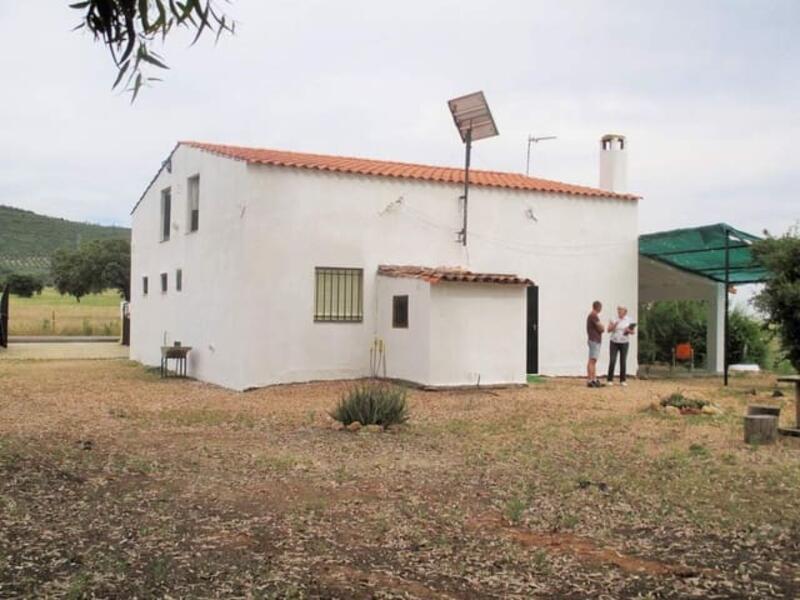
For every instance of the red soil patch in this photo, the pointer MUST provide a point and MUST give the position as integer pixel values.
(582, 548)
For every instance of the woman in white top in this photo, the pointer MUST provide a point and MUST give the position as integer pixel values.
(620, 330)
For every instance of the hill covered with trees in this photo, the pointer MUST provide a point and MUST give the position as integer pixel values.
(28, 240)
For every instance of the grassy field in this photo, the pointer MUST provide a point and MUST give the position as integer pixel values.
(50, 313)
(115, 483)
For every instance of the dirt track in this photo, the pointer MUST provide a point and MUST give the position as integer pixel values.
(63, 351)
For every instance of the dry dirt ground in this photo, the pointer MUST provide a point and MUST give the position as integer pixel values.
(63, 350)
(115, 483)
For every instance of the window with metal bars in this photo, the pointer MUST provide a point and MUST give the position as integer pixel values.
(338, 294)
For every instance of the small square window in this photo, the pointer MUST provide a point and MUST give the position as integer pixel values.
(178, 280)
(400, 312)
(163, 283)
(144, 286)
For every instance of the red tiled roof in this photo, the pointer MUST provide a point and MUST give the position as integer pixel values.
(381, 168)
(437, 274)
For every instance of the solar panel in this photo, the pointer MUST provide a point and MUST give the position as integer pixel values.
(471, 112)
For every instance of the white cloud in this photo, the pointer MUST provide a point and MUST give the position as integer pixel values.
(706, 93)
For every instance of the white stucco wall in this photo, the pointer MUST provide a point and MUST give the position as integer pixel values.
(264, 229)
(408, 351)
(715, 335)
(204, 314)
(458, 333)
(477, 334)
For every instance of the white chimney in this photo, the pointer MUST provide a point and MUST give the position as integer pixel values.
(613, 163)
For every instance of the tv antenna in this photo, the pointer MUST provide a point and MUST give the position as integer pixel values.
(535, 140)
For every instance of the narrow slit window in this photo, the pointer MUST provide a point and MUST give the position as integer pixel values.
(193, 188)
(338, 294)
(400, 312)
(163, 283)
(166, 213)
(144, 286)
(178, 280)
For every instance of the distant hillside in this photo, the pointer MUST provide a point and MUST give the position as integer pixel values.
(27, 240)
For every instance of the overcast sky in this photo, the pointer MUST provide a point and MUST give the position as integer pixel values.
(707, 93)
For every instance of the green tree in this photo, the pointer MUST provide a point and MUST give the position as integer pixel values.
(749, 340)
(112, 265)
(780, 298)
(70, 273)
(94, 267)
(128, 28)
(663, 325)
(24, 285)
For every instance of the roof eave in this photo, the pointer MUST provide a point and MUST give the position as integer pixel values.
(153, 180)
(227, 151)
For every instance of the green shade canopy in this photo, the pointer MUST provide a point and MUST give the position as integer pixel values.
(701, 250)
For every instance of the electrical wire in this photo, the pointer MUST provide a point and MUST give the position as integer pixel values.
(576, 250)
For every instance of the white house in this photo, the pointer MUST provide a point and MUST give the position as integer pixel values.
(282, 267)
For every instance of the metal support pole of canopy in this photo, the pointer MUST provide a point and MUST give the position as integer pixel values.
(727, 284)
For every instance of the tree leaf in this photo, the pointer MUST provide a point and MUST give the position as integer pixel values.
(137, 84)
(149, 58)
(144, 7)
(128, 27)
(121, 73)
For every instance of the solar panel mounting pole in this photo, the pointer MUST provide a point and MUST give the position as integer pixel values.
(463, 233)
(474, 121)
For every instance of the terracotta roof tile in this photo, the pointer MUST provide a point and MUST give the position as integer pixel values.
(437, 274)
(380, 168)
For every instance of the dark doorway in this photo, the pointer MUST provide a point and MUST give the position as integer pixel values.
(532, 330)
(4, 318)
(126, 322)
(126, 331)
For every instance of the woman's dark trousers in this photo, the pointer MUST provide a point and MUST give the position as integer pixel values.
(622, 349)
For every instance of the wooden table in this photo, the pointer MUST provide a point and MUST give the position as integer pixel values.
(796, 380)
(178, 354)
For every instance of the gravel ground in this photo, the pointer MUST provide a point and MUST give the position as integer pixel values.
(115, 483)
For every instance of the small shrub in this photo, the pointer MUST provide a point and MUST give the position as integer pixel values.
(680, 401)
(515, 508)
(372, 404)
(699, 451)
(568, 521)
